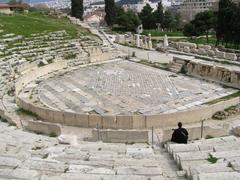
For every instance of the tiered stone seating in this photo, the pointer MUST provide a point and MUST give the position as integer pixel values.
(216, 158)
(45, 46)
(39, 49)
(24, 155)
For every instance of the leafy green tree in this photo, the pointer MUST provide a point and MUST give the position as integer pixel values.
(77, 9)
(12, 2)
(204, 22)
(158, 14)
(176, 25)
(147, 17)
(128, 20)
(189, 30)
(227, 28)
(110, 10)
(168, 20)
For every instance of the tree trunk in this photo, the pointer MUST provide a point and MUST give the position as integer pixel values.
(207, 36)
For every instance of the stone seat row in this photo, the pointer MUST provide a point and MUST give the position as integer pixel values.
(204, 158)
(24, 155)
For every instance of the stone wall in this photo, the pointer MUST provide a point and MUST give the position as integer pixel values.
(126, 122)
(36, 73)
(214, 72)
(110, 121)
(203, 50)
(120, 136)
(42, 127)
(221, 73)
(98, 54)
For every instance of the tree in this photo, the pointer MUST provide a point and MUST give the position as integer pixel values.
(147, 17)
(227, 28)
(110, 10)
(127, 20)
(77, 9)
(189, 30)
(204, 22)
(12, 2)
(158, 14)
(168, 20)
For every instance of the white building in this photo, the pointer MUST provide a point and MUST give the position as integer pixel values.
(139, 6)
(189, 8)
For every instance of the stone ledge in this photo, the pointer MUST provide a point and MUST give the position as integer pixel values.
(120, 136)
(46, 128)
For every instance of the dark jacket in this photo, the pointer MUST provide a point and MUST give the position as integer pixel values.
(180, 135)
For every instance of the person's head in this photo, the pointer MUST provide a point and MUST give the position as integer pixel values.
(179, 124)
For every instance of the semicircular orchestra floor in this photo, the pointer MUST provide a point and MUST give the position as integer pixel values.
(125, 87)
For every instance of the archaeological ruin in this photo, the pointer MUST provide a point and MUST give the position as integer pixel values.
(97, 108)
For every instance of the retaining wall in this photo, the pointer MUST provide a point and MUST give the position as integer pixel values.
(111, 121)
(42, 127)
(36, 73)
(125, 122)
(120, 136)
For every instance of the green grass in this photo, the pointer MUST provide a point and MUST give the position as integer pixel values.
(225, 98)
(203, 40)
(154, 32)
(36, 22)
(212, 159)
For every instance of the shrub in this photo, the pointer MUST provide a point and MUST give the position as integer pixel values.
(212, 159)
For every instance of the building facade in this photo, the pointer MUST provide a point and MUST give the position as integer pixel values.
(189, 8)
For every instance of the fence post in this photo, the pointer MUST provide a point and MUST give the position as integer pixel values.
(98, 132)
(152, 136)
(202, 128)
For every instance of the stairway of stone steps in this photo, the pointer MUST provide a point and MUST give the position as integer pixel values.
(176, 67)
(215, 159)
(25, 155)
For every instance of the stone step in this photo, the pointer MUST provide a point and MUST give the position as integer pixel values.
(219, 176)
(75, 176)
(209, 168)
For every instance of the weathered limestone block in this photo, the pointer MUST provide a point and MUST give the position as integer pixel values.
(68, 139)
(109, 121)
(186, 49)
(209, 168)
(182, 44)
(94, 120)
(220, 54)
(219, 176)
(138, 121)
(19, 174)
(226, 154)
(9, 162)
(236, 131)
(210, 53)
(140, 171)
(206, 47)
(42, 127)
(193, 50)
(124, 122)
(120, 136)
(202, 51)
(231, 56)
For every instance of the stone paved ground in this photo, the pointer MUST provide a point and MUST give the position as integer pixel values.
(125, 87)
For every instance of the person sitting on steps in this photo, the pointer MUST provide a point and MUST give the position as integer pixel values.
(180, 135)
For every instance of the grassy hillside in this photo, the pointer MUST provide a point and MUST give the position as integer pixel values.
(36, 22)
